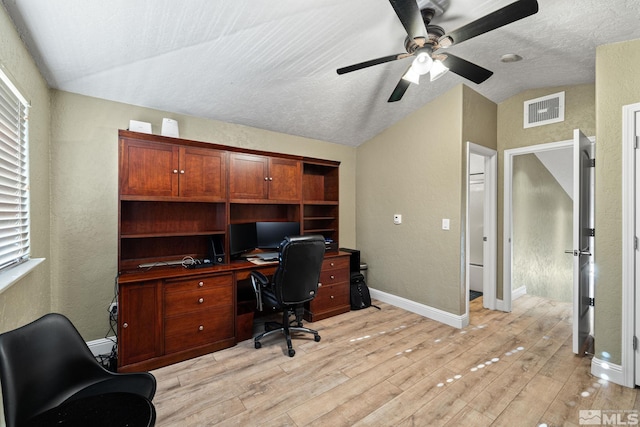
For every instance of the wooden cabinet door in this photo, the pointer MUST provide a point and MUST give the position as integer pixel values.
(248, 176)
(148, 169)
(285, 179)
(203, 173)
(139, 326)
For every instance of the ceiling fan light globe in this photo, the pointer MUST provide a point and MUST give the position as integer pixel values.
(438, 70)
(422, 63)
(412, 76)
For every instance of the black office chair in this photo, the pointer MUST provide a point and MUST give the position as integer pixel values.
(294, 283)
(46, 363)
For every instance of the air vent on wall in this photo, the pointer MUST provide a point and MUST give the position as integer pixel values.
(544, 110)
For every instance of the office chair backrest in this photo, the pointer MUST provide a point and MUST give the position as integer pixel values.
(41, 364)
(296, 279)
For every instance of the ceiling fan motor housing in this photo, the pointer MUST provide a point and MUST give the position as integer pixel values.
(434, 33)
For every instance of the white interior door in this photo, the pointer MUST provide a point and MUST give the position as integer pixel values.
(636, 134)
(583, 239)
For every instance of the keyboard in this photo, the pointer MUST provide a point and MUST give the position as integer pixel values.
(267, 256)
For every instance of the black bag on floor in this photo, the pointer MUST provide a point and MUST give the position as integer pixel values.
(360, 296)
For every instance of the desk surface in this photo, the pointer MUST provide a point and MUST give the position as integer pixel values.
(165, 272)
(104, 410)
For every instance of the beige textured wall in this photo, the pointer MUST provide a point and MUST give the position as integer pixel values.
(617, 84)
(415, 168)
(480, 126)
(542, 231)
(84, 185)
(579, 113)
(30, 297)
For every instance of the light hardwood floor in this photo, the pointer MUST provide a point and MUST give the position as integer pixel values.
(395, 368)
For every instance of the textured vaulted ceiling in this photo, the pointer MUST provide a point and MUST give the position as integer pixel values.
(272, 64)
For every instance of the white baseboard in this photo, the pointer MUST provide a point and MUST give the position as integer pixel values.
(457, 321)
(607, 371)
(517, 293)
(101, 346)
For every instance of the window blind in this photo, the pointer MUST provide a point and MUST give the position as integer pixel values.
(14, 176)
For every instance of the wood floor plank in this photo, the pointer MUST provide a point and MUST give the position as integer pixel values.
(348, 412)
(391, 367)
(529, 406)
(348, 391)
(469, 417)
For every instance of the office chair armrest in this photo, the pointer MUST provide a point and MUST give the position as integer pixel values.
(261, 278)
(258, 280)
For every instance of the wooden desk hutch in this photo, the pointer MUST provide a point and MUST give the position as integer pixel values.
(174, 196)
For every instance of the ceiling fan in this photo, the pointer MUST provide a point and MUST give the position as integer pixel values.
(424, 42)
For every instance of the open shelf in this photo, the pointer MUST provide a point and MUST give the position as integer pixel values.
(135, 251)
(319, 183)
(243, 212)
(145, 235)
(144, 218)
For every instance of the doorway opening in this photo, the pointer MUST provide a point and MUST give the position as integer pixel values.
(481, 225)
(538, 222)
(549, 239)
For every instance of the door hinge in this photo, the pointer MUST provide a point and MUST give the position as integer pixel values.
(590, 232)
(591, 163)
(635, 342)
(635, 243)
(592, 302)
(635, 144)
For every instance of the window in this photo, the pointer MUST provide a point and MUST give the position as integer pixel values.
(14, 176)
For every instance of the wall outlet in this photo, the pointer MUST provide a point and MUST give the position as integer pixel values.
(113, 308)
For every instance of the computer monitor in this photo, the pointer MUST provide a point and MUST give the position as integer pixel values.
(242, 238)
(270, 234)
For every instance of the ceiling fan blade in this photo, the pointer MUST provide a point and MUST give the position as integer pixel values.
(501, 17)
(371, 63)
(466, 69)
(399, 91)
(410, 17)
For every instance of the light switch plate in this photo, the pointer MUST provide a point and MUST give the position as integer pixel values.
(445, 223)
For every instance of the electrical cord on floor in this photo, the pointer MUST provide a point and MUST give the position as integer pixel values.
(110, 361)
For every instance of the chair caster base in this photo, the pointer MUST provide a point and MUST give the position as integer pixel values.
(292, 352)
(316, 338)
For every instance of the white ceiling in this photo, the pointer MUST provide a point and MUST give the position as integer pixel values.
(271, 64)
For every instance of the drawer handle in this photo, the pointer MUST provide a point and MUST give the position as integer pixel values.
(332, 297)
(125, 325)
(201, 328)
(182, 171)
(201, 300)
(175, 171)
(332, 264)
(200, 284)
(332, 277)
(319, 284)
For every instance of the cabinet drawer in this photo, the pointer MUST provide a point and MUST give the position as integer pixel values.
(202, 299)
(198, 328)
(199, 283)
(331, 296)
(336, 263)
(331, 277)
